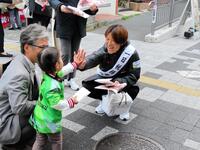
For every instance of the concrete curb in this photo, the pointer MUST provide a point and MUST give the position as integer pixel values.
(94, 22)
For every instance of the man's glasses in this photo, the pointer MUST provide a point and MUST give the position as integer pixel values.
(42, 47)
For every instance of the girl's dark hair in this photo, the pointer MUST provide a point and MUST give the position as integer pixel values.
(47, 59)
(118, 32)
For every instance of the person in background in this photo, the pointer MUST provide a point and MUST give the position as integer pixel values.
(47, 115)
(2, 51)
(15, 21)
(117, 59)
(19, 90)
(70, 28)
(40, 14)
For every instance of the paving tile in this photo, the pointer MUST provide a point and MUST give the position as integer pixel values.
(150, 94)
(181, 99)
(185, 58)
(195, 134)
(173, 67)
(82, 117)
(146, 124)
(164, 131)
(155, 114)
(171, 78)
(141, 104)
(171, 60)
(189, 83)
(179, 124)
(164, 106)
(189, 55)
(166, 143)
(178, 115)
(191, 119)
(179, 135)
(198, 124)
(67, 112)
(152, 75)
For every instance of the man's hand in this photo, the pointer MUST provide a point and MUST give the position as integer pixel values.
(64, 9)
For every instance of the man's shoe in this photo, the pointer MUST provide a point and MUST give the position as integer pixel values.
(99, 109)
(19, 28)
(11, 28)
(6, 55)
(124, 116)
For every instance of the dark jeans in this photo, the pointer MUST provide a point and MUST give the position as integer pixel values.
(1, 37)
(27, 136)
(90, 84)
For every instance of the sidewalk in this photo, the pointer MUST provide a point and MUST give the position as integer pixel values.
(166, 111)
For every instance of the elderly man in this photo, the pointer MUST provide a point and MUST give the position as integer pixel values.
(18, 89)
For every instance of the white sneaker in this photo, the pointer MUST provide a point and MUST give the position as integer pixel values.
(99, 109)
(124, 116)
(72, 84)
(66, 83)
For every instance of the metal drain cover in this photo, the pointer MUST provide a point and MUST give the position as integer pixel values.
(127, 141)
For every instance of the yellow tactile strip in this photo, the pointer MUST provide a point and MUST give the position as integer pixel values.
(12, 47)
(170, 86)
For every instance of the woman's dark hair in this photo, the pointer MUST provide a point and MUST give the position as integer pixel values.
(118, 32)
(47, 59)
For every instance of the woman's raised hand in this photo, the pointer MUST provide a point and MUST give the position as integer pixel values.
(79, 57)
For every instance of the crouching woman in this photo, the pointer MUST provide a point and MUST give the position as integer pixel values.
(116, 59)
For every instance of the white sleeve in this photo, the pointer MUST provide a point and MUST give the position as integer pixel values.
(67, 69)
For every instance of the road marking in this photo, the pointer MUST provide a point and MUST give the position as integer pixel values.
(72, 125)
(170, 86)
(192, 144)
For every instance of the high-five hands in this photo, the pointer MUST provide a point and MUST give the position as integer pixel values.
(79, 57)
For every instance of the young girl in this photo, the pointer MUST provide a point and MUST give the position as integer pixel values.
(47, 115)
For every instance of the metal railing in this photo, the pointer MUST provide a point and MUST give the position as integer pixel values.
(165, 12)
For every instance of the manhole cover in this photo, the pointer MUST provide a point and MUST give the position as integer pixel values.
(127, 141)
